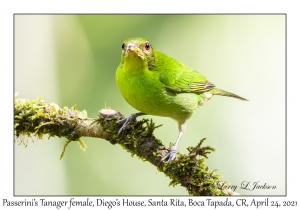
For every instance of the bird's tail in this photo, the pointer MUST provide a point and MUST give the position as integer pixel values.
(216, 91)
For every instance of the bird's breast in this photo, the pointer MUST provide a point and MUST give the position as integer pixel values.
(147, 94)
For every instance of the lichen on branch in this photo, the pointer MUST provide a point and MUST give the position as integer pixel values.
(39, 118)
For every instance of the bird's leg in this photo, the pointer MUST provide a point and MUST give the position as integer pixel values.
(172, 154)
(126, 121)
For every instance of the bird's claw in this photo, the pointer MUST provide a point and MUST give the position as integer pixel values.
(171, 155)
(126, 121)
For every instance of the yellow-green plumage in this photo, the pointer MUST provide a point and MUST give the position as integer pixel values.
(157, 84)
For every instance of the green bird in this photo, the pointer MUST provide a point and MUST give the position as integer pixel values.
(157, 84)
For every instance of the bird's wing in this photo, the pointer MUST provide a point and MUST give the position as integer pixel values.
(185, 81)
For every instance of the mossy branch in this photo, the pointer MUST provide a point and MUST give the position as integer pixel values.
(37, 118)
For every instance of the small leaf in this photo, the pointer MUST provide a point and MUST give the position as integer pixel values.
(63, 152)
(82, 145)
(82, 115)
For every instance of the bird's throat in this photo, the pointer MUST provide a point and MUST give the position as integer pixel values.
(133, 64)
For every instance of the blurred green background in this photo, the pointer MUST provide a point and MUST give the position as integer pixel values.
(72, 59)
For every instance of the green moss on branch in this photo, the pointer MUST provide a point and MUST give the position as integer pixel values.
(38, 118)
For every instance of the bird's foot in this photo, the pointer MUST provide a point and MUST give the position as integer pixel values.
(126, 121)
(171, 155)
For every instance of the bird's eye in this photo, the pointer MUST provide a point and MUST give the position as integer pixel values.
(123, 46)
(147, 46)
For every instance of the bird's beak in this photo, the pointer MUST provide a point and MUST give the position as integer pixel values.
(133, 48)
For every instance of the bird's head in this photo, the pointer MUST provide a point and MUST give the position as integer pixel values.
(138, 51)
